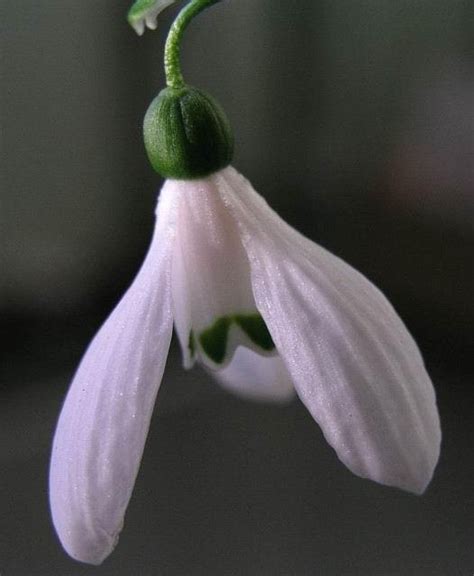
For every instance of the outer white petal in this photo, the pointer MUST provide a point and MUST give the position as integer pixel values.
(352, 360)
(104, 422)
(256, 377)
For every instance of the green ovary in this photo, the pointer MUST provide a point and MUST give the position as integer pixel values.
(214, 339)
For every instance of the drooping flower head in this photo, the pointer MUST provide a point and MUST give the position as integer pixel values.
(266, 310)
(144, 13)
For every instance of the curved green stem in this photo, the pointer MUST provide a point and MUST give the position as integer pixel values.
(174, 76)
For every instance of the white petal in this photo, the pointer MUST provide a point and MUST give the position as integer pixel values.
(139, 27)
(352, 360)
(212, 292)
(256, 377)
(151, 22)
(104, 422)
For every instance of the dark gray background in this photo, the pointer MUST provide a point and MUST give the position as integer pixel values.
(355, 121)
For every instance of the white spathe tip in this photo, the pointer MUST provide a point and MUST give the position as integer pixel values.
(151, 22)
(139, 27)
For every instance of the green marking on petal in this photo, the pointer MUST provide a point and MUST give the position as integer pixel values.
(256, 329)
(214, 339)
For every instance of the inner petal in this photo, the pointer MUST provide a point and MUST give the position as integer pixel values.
(255, 377)
(214, 307)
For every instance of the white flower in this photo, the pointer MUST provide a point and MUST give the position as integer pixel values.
(145, 12)
(267, 311)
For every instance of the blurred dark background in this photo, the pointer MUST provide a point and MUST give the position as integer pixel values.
(355, 121)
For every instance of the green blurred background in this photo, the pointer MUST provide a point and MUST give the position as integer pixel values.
(355, 120)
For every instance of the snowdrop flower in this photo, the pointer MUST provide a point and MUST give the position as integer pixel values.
(266, 310)
(145, 12)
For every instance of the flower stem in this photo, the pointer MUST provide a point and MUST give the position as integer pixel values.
(174, 76)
